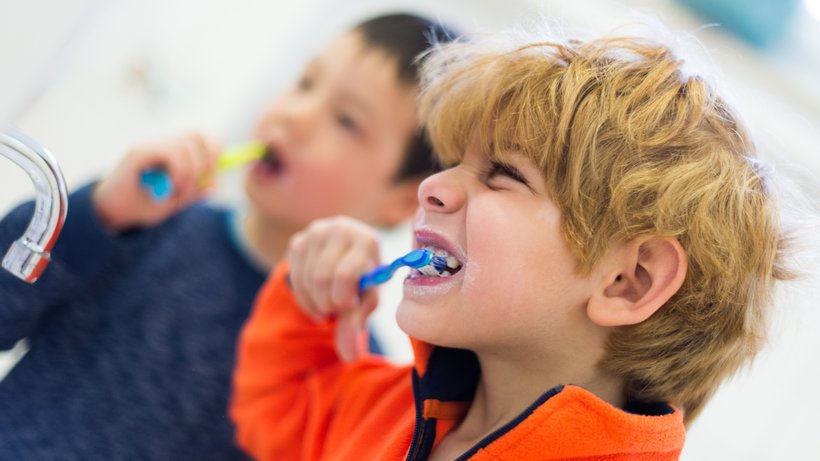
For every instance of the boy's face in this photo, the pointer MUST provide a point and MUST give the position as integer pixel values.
(517, 285)
(337, 138)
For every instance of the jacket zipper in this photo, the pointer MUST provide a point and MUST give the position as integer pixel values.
(418, 442)
(415, 444)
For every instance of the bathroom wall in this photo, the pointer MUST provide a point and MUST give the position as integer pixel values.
(89, 78)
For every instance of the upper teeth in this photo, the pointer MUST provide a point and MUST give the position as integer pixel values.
(451, 263)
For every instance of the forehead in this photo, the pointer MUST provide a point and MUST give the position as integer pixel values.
(360, 65)
(368, 76)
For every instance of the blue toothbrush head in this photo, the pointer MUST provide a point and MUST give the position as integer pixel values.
(157, 183)
(422, 260)
(418, 259)
(439, 263)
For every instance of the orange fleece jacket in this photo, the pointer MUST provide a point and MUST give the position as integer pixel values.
(294, 399)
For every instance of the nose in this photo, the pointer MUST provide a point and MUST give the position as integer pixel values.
(292, 112)
(442, 192)
(299, 113)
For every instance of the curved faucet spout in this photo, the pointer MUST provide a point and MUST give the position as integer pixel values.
(29, 255)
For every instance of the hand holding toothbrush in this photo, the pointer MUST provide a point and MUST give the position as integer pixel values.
(332, 272)
(326, 260)
(121, 200)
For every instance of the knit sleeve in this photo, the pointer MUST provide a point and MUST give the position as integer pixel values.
(84, 255)
(291, 391)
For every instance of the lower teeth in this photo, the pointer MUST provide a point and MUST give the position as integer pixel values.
(433, 272)
(429, 270)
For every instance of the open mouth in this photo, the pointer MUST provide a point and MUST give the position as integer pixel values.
(443, 264)
(271, 161)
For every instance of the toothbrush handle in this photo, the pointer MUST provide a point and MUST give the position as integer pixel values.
(415, 259)
(378, 275)
(157, 182)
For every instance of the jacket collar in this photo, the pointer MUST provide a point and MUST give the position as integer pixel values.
(566, 420)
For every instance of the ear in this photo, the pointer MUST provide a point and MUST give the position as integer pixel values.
(636, 279)
(398, 203)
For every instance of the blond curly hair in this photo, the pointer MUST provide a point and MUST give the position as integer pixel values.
(630, 146)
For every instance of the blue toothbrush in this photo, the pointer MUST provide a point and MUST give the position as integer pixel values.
(416, 259)
(157, 183)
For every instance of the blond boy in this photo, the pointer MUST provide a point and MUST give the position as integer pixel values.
(617, 244)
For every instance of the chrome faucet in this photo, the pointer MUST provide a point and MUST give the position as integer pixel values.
(29, 255)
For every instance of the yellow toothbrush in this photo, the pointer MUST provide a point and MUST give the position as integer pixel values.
(239, 155)
(157, 182)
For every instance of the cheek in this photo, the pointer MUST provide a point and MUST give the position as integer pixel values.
(333, 187)
(502, 238)
(517, 261)
(323, 188)
(499, 270)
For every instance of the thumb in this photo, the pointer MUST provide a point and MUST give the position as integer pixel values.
(351, 336)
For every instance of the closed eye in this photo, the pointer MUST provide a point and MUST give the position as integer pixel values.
(347, 122)
(497, 169)
(305, 83)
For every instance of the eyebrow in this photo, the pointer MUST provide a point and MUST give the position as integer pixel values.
(348, 97)
(315, 63)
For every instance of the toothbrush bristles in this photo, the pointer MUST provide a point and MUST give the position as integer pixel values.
(439, 263)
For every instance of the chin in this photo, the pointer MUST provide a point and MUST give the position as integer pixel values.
(254, 193)
(411, 319)
(408, 319)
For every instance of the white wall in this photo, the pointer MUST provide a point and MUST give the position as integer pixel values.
(89, 78)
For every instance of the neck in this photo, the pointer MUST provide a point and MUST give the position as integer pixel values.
(507, 387)
(268, 239)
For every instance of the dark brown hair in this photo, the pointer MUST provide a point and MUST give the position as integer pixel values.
(404, 37)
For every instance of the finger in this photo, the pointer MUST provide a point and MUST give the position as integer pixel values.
(199, 160)
(207, 152)
(345, 289)
(176, 163)
(305, 302)
(147, 156)
(350, 337)
(370, 300)
(362, 256)
(295, 257)
(189, 150)
(327, 253)
(211, 150)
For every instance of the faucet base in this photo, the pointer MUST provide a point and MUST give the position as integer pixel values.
(25, 260)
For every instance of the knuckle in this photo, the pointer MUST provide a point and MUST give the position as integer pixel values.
(322, 278)
(343, 276)
(315, 226)
(297, 241)
(324, 308)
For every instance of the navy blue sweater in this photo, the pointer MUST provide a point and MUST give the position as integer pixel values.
(132, 340)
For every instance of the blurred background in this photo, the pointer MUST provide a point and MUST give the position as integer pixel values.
(90, 78)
